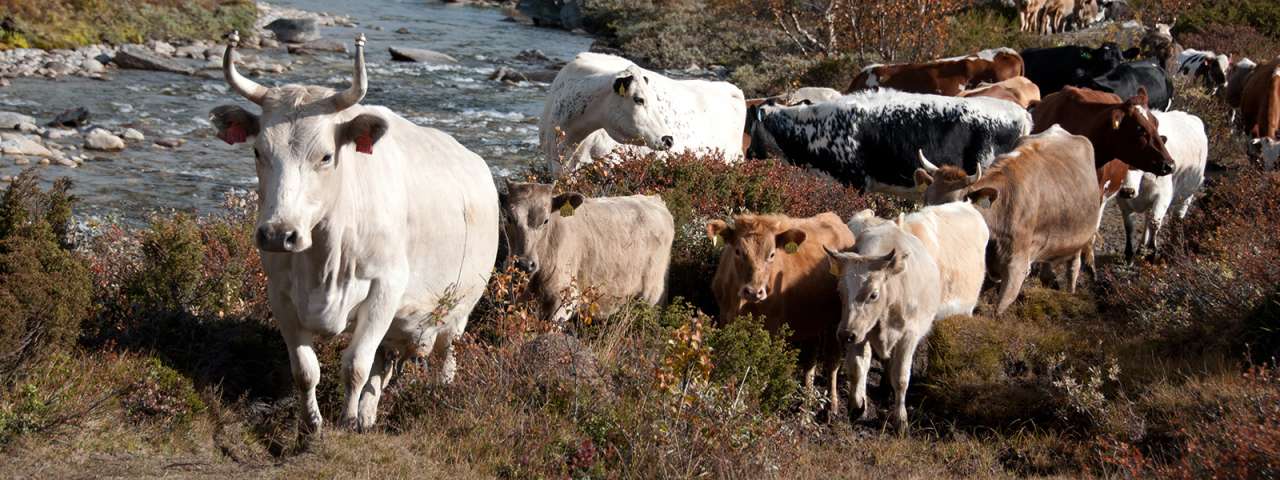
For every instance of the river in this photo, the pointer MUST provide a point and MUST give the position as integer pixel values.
(495, 120)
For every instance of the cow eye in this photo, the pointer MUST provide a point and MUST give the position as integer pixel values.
(546, 220)
(639, 101)
(326, 159)
(873, 296)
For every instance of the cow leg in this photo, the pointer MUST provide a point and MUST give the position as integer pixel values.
(858, 362)
(900, 373)
(444, 355)
(379, 377)
(1011, 284)
(1128, 234)
(373, 319)
(1075, 270)
(1155, 221)
(302, 362)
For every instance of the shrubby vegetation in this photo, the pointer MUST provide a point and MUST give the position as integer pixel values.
(73, 23)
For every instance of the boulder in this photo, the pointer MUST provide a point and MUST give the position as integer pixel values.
(504, 74)
(59, 69)
(74, 117)
(11, 120)
(169, 142)
(402, 30)
(59, 133)
(566, 14)
(314, 46)
(92, 67)
(132, 135)
(138, 58)
(21, 144)
(162, 48)
(102, 140)
(420, 55)
(295, 30)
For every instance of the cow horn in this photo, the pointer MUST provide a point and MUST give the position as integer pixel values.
(359, 85)
(249, 89)
(976, 175)
(928, 166)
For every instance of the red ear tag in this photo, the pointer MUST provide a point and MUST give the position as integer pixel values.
(233, 134)
(364, 144)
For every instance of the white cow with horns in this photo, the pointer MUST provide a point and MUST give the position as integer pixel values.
(367, 224)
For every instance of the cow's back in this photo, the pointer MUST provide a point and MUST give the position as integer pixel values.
(1188, 145)
(585, 247)
(1074, 109)
(1236, 81)
(1048, 201)
(811, 300)
(956, 235)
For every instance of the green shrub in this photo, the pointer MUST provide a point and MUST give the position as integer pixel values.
(163, 395)
(73, 23)
(44, 289)
(745, 355)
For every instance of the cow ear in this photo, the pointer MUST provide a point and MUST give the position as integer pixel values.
(923, 179)
(983, 196)
(364, 131)
(234, 124)
(567, 203)
(1141, 97)
(622, 84)
(719, 232)
(790, 240)
(1117, 116)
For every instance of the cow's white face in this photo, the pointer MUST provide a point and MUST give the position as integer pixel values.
(1132, 184)
(865, 290)
(530, 210)
(635, 113)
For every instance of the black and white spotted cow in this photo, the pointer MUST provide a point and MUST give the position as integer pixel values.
(872, 139)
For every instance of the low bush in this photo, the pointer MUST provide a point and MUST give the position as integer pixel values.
(73, 23)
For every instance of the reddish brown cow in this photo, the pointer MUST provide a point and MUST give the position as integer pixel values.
(1043, 205)
(948, 76)
(1260, 102)
(1121, 130)
(757, 275)
(1019, 90)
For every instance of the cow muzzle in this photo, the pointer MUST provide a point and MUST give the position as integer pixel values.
(753, 294)
(525, 265)
(1128, 193)
(666, 142)
(281, 239)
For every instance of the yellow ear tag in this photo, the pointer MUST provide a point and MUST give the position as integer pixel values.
(622, 90)
(835, 267)
(566, 210)
(920, 188)
(716, 241)
(791, 247)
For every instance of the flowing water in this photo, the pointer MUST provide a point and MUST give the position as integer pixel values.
(495, 120)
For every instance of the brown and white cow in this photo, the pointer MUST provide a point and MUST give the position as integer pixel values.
(1019, 90)
(1123, 130)
(1043, 205)
(948, 76)
(569, 243)
(773, 266)
(1260, 104)
(1237, 77)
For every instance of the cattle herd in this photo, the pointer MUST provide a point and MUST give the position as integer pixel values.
(372, 225)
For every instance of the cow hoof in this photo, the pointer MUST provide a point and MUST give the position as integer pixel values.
(312, 424)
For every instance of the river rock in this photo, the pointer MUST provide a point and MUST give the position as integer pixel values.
(59, 133)
(59, 69)
(132, 135)
(28, 128)
(314, 46)
(566, 14)
(67, 162)
(194, 51)
(22, 144)
(21, 161)
(504, 74)
(532, 56)
(420, 55)
(169, 142)
(4, 82)
(163, 48)
(74, 117)
(269, 43)
(403, 30)
(11, 120)
(138, 58)
(102, 140)
(92, 67)
(295, 30)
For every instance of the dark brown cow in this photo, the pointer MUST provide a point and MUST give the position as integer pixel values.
(1260, 101)
(942, 77)
(759, 274)
(1121, 130)
(1043, 205)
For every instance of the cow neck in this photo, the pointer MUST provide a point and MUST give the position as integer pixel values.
(1103, 151)
(575, 132)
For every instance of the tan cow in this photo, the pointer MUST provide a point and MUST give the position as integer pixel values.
(1260, 101)
(956, 236)
(1030, 15)
(1055, 15)
(889, 293)
(1019, 90)
(1043, 205)
(570, 243)
(756, 275)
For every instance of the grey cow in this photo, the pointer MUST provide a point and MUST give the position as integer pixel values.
(618, 248)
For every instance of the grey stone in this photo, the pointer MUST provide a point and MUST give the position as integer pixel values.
(102, 140)
(420, 55)
(295, 30)
(133, 135)
(314, 46)
(91, 66)
(138, 58)
(22, 144)
(12, 120)
(169, 142)
(566, 14)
